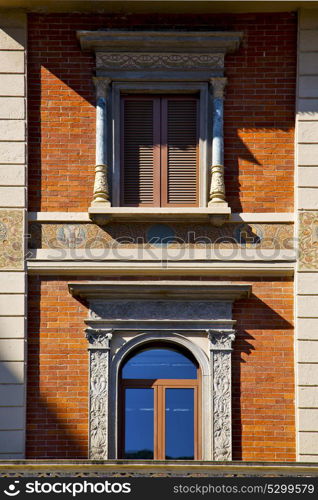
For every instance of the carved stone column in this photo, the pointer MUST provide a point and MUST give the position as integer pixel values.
(221, 342)
(98, 391)
(217, 189)
(101, 190)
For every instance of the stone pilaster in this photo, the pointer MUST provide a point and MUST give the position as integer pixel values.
(217, 188)
(101, 188)
(221, 349)
(99, 351)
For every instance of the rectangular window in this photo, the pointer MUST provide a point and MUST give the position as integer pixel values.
(159, 151)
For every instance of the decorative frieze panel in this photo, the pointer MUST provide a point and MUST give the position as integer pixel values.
(151, 61)
(83, 235)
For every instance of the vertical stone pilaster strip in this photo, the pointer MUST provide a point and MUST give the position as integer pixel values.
(221, 369)
(217, 188)
(99, 352)
(101, 189)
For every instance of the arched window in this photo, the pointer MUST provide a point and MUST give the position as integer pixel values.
(160, 394)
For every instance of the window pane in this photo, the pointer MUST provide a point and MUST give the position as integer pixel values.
(160, 363)
(139, 423)
(180, 424)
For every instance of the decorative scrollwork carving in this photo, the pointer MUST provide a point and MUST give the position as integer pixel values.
(222, 420)
(98, 416)
(173, 61)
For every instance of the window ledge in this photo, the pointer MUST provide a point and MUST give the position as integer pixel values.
(217, 214)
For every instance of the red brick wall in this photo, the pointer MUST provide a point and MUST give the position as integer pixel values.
(259, 109)
(263, 373)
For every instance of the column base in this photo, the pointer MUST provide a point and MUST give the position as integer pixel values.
(100, 202)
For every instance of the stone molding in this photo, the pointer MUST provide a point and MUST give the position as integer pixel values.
(258, 217)
(204, 42)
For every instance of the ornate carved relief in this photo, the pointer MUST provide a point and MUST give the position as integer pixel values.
(98, 404)
(144, 61)
(221, 347)
(98, 393)
(222, 421)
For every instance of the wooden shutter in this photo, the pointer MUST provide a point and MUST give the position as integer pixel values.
(140, 151)
(180, 151)
(159, 151)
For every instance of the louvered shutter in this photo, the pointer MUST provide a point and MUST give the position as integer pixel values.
(159, 151)
(180, 154)
(140, 158)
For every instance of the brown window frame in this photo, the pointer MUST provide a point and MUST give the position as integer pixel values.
(160, 155)
(159, 386)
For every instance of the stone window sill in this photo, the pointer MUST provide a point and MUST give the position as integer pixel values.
(216, 215)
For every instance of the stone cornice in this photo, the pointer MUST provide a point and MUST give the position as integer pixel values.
(205, 42)
(186, 290)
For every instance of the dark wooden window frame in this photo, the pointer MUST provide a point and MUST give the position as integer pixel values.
(160, 151)
(159, 386)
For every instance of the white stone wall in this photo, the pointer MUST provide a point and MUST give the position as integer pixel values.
(12, 207)
(307, 206)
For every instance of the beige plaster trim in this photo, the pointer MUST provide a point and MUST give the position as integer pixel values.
(157, 269)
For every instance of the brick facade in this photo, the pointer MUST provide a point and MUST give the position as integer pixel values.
(259, 108)
(263, 372)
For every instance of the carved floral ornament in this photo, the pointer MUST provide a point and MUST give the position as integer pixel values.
(143, 61)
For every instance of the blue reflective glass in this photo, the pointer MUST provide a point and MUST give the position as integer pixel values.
(159, 363)
(179, 424)
(139, 423)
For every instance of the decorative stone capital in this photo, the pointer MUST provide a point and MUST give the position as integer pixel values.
(101, 85)
(221, 340)
(98, 338)
(218, 87)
